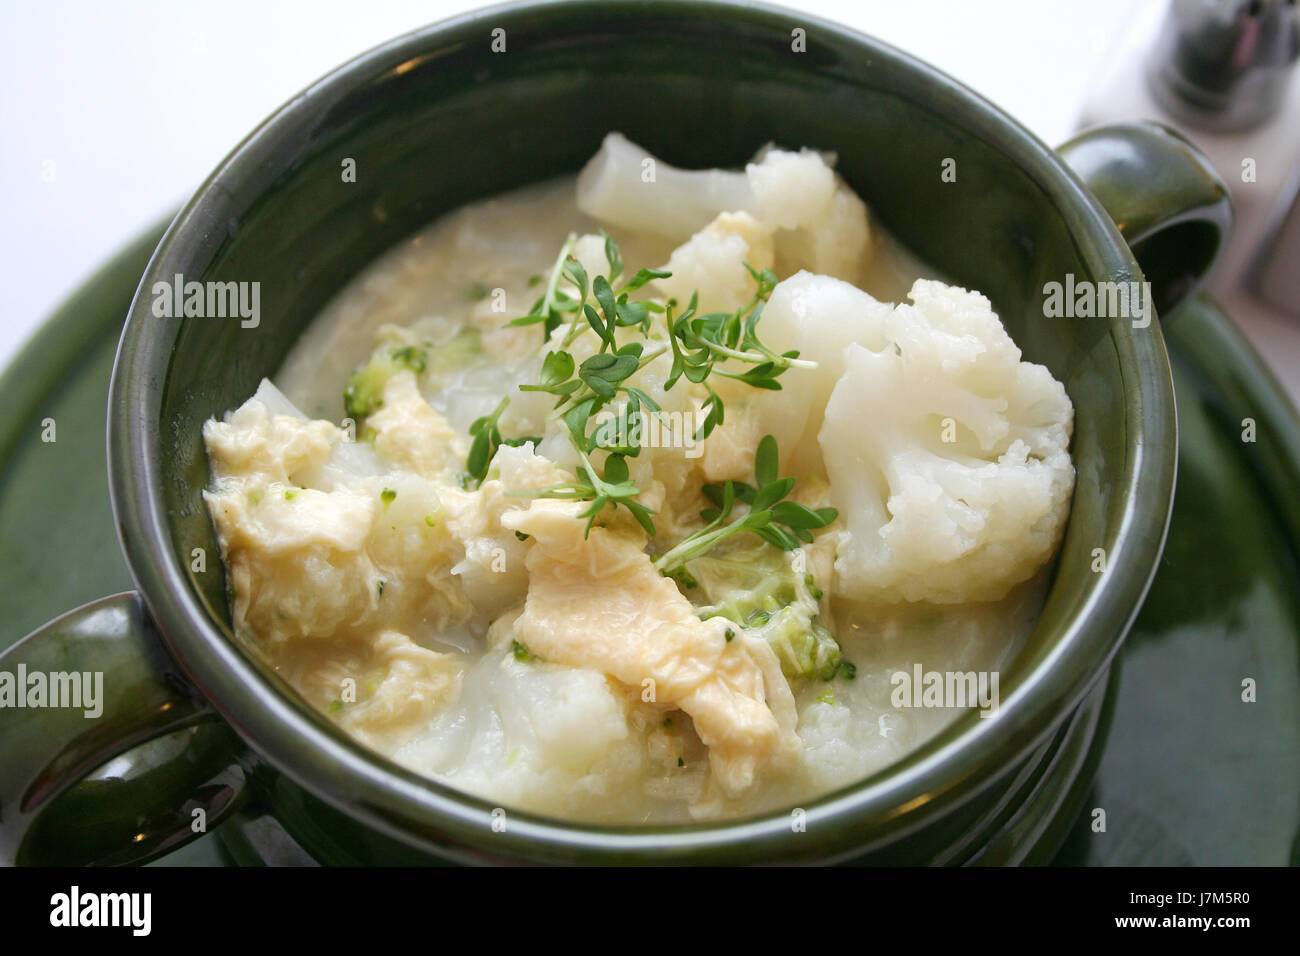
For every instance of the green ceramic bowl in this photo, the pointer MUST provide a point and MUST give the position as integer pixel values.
(437, 118)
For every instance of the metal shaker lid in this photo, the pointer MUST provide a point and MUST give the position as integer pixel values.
(1225, 64)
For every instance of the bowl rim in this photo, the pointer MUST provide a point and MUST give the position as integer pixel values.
(961, 762)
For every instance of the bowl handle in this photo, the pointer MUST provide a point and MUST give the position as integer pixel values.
(59, 804)
(1168, 201)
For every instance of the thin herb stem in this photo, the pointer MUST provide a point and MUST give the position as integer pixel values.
(557, 270)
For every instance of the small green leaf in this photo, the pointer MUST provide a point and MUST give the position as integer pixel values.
(594, 320)
(538, 313)
(777, 536)
(772, 492)
(576, 421)
(643, 276)
(557, 367)
(612, 256)
(766, 461)
(795, 515)
(479, 455)
(643, 516)
(602, 372)
(632, 313)
(616, 469)
(578, 275)
(605, 296)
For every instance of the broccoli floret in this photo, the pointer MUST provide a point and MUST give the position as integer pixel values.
(804, 647)
(457, 352)
(743, 580)
(757, 588)
(364, 392)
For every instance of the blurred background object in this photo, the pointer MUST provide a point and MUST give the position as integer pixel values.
(1224, 73)
(1224, 65)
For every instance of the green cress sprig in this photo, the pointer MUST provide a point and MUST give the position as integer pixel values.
(556, 306)
(777, 521)
(699, 343)
(550, 309)
(487, 439)
(584, 389)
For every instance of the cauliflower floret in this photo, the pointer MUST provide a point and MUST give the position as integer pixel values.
(627, 187)
(589, 250)
(818, 316)
(947, 455)
(712, 263)
(542, 737)
(837, 243)
(492, 570)
(817, 222)
(790, 189)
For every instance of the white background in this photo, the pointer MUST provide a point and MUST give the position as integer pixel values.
(114, 112)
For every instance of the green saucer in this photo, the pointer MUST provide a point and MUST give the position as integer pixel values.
(58, 548)
(1191, 774)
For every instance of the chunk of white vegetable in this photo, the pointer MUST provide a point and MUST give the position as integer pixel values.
(947, 456)
(625, 186)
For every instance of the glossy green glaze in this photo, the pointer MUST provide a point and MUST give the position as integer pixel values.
(127, 693)
(67, 476)
(1166, 199)
(1193, 774)
(435, 119)
(58, 546)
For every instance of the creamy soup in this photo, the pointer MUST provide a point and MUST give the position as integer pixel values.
(620, 546)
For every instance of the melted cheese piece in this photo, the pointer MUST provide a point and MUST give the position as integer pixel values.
(411, 434)
(598, 602)
(252, 441)
(417, 683)
(309, 563)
